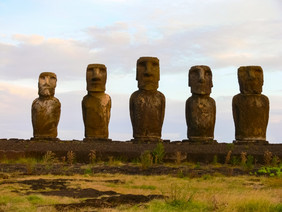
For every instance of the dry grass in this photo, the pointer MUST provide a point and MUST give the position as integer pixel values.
(244, 193)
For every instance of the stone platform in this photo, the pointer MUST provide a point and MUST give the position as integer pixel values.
(128, 151)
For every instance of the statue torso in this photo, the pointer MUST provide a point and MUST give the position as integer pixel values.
(147, 113)
(200, 117)
(45, 117)
(96, 114)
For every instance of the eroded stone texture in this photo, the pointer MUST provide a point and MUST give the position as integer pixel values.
(200, 107)
(96, 105)
(46, 109)
(147, 105)
(250, 107)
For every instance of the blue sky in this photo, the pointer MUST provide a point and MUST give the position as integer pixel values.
(65, 36)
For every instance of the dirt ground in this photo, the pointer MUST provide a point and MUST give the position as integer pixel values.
(68, 170)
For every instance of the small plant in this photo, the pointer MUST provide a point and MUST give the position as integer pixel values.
(180, 173)
(228, 157)
(198, 165)
(207, 177)
(214, 160)
(267, 157)
(235, 161)
(250, 162)
(92, 156)
(70, 157)
(177, 194)
(270, 171)
(49, 158)
(243, 158)
(63, 159)
(146, 159)
(111, 160)
(178, 158)
(158, 153)
(275, 161)
(88, 171)
(230, 146)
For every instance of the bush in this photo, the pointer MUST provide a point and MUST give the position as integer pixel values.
(158, 153)
(146, 159)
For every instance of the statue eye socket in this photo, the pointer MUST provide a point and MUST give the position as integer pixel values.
(194, 73)
(208, 73)
(141, 64)
(155, 64)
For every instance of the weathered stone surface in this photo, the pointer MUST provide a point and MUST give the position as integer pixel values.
(46, 109)
(147, 105)
(200, 107)
(96, 105)
(250, 107)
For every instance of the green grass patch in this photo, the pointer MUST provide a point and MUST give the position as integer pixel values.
(259, 205)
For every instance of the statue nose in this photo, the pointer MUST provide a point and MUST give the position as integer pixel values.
(201, 77)
(47, 81)
(251, 75)
(148, 69)
(96, 72)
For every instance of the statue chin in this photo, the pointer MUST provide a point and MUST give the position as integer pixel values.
(46, 92)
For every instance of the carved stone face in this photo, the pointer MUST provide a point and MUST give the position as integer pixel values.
(96, 77)
(200, 80)
(250, 79)
(148, 73)
(46, 84)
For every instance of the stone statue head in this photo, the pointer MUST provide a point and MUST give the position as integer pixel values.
(46, 84)
(148, 73)
(250, 79)
(96, 77)
(200, 80)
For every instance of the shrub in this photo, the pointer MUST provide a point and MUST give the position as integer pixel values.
(267, 157)
(92, 156)
(243, 158)
(70, 157)
(49, 158)
(178, 158)
(158, 153)
(228, 156)
(250, 162)
(146, 159)
(214, 160)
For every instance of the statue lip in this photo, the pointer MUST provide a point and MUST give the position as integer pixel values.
(95, 79)
(45, 86)
(148, 75)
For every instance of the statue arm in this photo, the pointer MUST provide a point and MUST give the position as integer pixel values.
(163, 109)
(234, 110)
(186, 111)
(58, 111)
(83, 110)
(131, 108)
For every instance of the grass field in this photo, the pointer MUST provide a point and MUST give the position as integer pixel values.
(60, 184)
(117, 192)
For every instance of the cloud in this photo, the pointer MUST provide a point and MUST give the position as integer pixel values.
(181, 34)
(35, 54)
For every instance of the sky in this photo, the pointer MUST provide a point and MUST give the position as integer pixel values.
(64, 36)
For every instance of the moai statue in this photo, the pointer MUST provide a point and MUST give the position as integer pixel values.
(96, 105)
(200, 107)
(46, 109)
(250, 107)
(147, 105)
